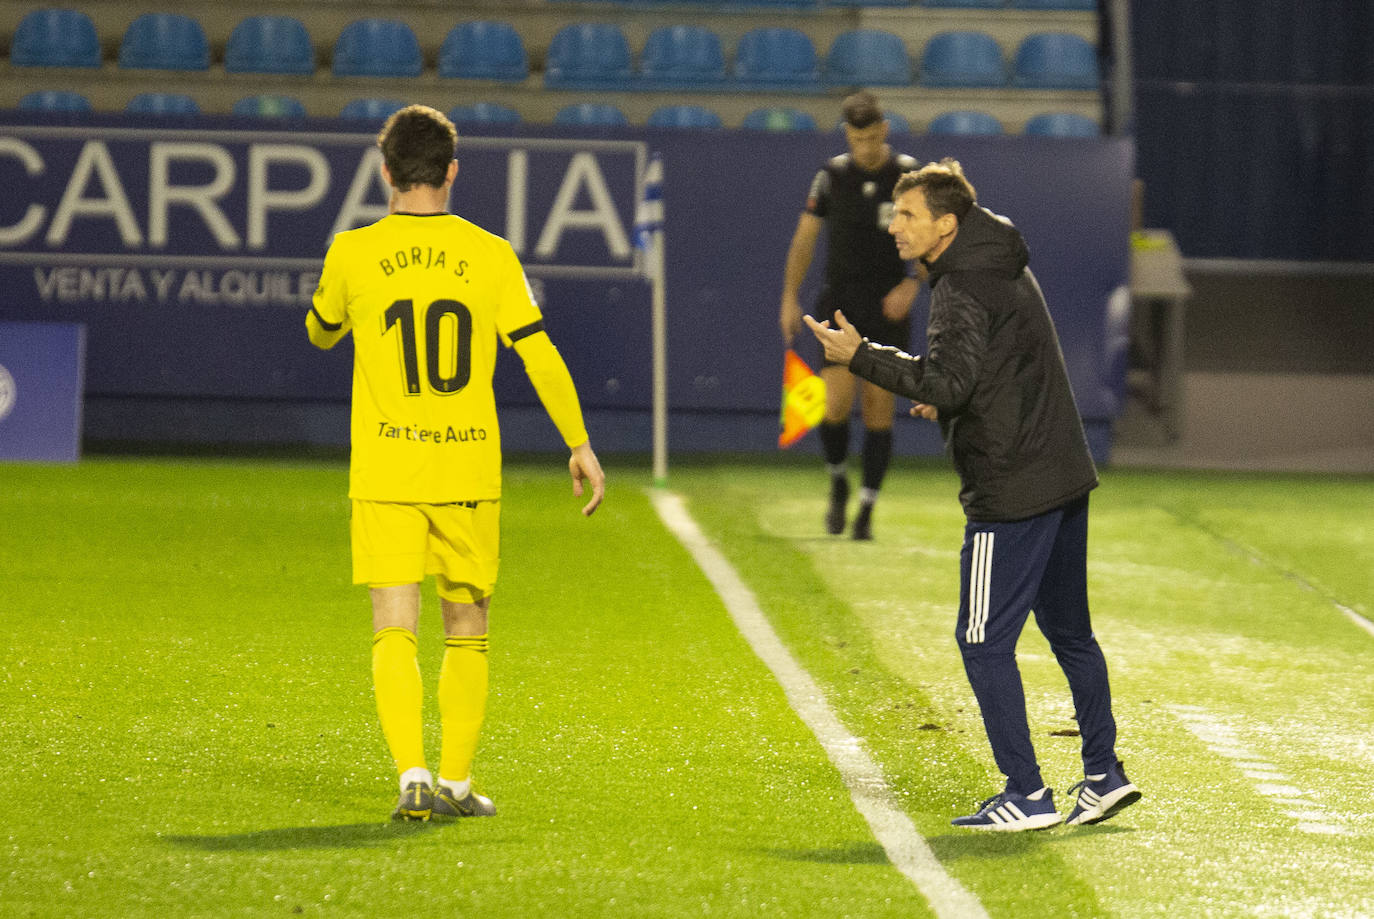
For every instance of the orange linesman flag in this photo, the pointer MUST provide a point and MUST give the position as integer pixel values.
(803, 399)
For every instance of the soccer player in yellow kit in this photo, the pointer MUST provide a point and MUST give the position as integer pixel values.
(427, 295)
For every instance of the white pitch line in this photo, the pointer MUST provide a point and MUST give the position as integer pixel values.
(904, 845)
(1356, 618)
(1269, 781)
(1258, 558)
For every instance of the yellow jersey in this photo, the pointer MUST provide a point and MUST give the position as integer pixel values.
(426, 298)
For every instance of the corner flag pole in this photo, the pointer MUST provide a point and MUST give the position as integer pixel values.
(649, 238)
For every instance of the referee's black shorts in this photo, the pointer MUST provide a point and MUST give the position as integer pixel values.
(863, 306)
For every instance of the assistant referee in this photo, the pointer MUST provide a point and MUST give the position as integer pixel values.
(851, 196)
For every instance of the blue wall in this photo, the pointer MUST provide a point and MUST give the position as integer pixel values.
(1255, 126)
(200, 337)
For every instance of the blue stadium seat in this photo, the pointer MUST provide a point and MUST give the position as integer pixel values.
(686, 57)
(588, 56)
(377, 48)
(164, 41)
(270, 105)
(371, 109)
(777, 57)
(1062, 124)
(55, 38)
(484, 50)
(965, 122)
(684, 116)
(162, 104)
(963, 58)
(1056, 60)
(269, 44)
(590, 114)
(778, 119)
(483, 113)
(1054, 5)
(966, 4)
(55, 100)
(868, 57)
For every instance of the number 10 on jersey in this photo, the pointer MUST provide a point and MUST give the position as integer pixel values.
(448, 344)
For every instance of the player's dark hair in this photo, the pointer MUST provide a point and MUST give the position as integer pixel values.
(861, 110)
(417, 144)
(944, 186)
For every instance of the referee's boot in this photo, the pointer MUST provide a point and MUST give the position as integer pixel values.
(863, 522)
(839, 496)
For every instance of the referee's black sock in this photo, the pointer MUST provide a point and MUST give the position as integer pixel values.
(877, 454)
(835, 443)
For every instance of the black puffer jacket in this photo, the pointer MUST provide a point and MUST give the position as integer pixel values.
(994, 371)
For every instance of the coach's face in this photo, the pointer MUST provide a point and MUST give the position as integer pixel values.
(918, 232)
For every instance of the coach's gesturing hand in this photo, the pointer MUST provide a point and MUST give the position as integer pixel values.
(840, 341)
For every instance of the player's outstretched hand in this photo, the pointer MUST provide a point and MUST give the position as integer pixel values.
(928, 412)
(584, 466)
(840, 341)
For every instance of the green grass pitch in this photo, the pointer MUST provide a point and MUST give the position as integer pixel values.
(187, 726)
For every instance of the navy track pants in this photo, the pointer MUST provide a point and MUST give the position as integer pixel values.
(1006, 571)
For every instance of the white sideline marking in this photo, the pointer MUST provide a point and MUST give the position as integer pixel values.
(1356, 618)
(893, 829)
(1269, 781)
(1258, 558)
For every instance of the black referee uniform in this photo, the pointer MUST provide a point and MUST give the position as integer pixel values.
(861, 264)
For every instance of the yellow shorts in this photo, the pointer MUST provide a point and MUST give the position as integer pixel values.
(460, 544)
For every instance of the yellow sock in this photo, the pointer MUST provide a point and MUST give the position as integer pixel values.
(462, 703)
(400, 696)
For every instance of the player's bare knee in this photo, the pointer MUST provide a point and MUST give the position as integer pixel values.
(464, 608)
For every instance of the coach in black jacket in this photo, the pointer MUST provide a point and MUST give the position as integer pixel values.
(994, 378)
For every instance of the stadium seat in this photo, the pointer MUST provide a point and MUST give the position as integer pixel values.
(588, 56)
(869, 2)
(483, 113)
(1056, 60)
(868, 57)
(590, 114)
(484, 50)
(682, 57)
(684, 116)
(162, 104)
(778, 119)
(1054, 5)
(55, 100)
(963, 59)
(377, 48)
(1062, 124)
(371, 109)
(55, 38)
(270, 106)
(965, 122)
(269, 44)
(777, 57)
(1116, 348)
(164, 41)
